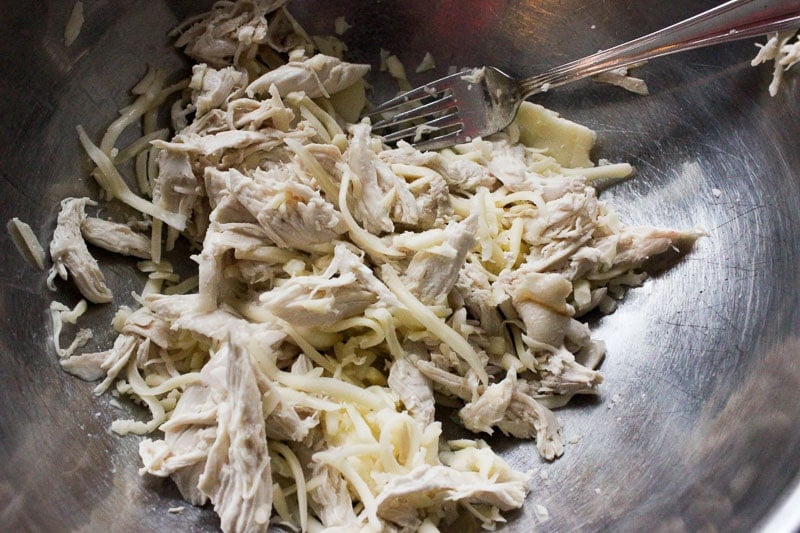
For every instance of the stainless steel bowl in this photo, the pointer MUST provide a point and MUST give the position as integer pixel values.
(698, 425)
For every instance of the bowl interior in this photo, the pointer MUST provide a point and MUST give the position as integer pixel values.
(697, 424)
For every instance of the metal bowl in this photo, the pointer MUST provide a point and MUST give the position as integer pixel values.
(698, 423)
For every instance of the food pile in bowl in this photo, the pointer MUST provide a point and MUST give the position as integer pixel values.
(345, 289)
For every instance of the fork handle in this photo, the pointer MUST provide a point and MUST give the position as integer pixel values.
(731, 21)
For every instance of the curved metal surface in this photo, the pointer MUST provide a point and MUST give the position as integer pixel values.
(698, 425)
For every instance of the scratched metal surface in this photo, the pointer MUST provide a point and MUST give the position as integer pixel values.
(698, 424)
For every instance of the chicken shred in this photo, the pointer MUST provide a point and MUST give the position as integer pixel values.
(71, 256)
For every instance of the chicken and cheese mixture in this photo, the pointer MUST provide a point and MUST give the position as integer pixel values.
(344, 288)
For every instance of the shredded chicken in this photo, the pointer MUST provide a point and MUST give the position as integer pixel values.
(74, 24)
(620, 78)
(26, 242)
(317, 76)
(115, 237)
(344, 287)
(70, 255)
(237, 476)
(784, 54)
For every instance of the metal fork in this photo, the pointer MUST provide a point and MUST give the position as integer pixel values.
(478, 102)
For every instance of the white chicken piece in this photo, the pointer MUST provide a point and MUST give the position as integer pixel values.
(448, 383)
(228, 31)
(414, 389)
(609, 257)
(218, 241)
(433, 199)
(620, 78)
(344, 260)
(144, 324)
(578, 336)
(461, 174)
(490, 407)
(225, 208)
(550, 187)
(317, 76)
(382, 198)
(790, 54)
(283, 422)
(596, 257)
(541, 302)
(433, 272)
(190, 432)
(566, 223)
(330, 499)
(216, 189)
(184, 313)
(71, 256)
(406, 208)
(321, 300)
(426, 180)
(227, 146)
(237, 477)
(27, 243)
(318, 301)
(554, 187)
(257, 275)
(507, 163)
(562, 374)
(405, 496)
(479, 299)
(374, 201)
(271, 118)
(115, 237)
(465, 176)
(211, 88)
(114, 360)
(292, 214)
(637, 244)
(87, 366)
(526, 418)
(248, 114)
(778, 49)
(176, 187)
(408, 155)
(210, 264)
(214, 121)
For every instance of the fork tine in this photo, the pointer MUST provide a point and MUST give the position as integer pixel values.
(445, 122)
(411, 96)
(430, 89)
(400, 135)
(443, 141)
(431, 108)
